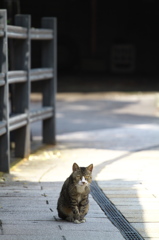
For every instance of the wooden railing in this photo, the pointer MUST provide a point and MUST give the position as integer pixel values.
(15, 112)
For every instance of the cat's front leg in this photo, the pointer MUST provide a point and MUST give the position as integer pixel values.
(73, 214)
(79, 218)
(76, 213)
(83, 210)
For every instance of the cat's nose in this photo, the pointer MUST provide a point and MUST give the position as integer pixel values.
(83, 180)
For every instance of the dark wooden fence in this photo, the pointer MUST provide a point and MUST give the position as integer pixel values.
(16, 84)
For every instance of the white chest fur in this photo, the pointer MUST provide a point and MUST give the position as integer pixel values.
(80, 188)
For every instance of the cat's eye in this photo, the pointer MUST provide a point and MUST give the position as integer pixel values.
(87, 177)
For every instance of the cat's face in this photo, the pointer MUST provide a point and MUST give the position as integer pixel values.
(82, 176)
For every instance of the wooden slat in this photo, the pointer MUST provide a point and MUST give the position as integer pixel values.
(17, 121)
(2, 79)
(41, 34)
(41, 74)
(2, 83)
(16, 32)
(17, 76)
(41, 114)
(3, 129)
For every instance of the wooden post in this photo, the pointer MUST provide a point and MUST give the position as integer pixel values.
(4, 103)
(22, 51)
(49, 60)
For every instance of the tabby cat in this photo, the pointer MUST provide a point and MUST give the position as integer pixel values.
(73, 203)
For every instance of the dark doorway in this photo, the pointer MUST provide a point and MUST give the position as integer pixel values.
(114, 41)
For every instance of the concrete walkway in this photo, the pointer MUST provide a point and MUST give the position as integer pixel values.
(119, 134)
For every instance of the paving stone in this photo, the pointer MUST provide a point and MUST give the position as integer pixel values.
(57, 236)
(132, 195)
(90, 226)
(30, 229)
(151, 238)
(135, 201)
(139, 207)
(147, 229)
(87, 235)
(140, 218)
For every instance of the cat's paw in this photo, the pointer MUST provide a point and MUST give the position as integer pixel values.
(83, 220)
(80, 221)
(77, 221)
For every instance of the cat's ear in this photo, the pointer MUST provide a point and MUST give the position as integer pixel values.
(90, 167)
(75, 167)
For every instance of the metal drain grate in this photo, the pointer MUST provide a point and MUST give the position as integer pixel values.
(113, 214)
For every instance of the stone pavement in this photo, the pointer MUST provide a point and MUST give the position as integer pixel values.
(119, 134)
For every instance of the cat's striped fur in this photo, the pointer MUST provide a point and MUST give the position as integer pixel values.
(73, 203)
